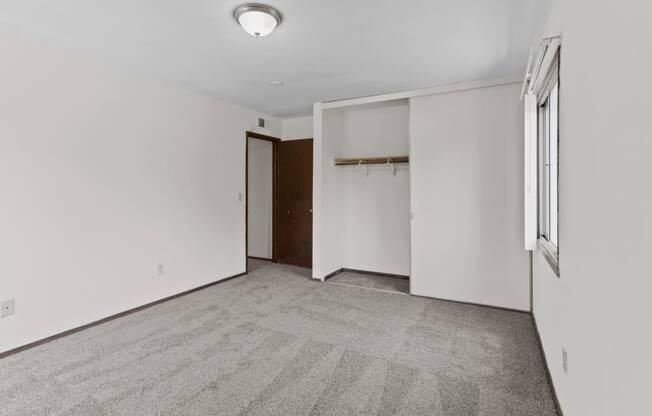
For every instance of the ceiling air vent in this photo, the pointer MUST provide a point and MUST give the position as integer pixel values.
(261, 122)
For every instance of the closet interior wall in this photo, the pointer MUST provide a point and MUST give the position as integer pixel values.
(366, 209)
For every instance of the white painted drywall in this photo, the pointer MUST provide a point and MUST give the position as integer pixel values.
(329, 247)
(367, 216)
(467, 197)
(104, 176)
(318, 243)
(297, 128)
(260, 191)
(599, 309)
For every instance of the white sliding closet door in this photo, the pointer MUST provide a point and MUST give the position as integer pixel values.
(466, 185)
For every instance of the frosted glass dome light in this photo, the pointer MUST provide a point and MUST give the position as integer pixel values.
(257, 19)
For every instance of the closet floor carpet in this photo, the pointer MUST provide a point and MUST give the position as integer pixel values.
(275, 342)
(372, 281)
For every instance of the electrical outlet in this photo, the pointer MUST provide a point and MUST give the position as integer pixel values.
(564, 355)
(161, 269)
(8, 308)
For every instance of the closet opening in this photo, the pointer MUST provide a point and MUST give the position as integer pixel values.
(366, 196)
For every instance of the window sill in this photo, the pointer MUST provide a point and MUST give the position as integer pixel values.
(550, 253)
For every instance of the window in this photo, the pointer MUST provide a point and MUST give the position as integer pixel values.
(548, 166)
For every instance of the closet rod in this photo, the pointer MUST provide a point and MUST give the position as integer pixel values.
(372, 160)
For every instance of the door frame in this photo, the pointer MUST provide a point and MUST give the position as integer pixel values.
(274, 141)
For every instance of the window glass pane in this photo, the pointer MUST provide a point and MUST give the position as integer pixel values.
(554, 153)
(541, 161)
(544, 185)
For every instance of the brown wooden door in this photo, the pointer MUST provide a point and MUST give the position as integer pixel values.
(294, 203)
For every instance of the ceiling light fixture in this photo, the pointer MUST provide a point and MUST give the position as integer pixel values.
(277, 83)
(257, 19)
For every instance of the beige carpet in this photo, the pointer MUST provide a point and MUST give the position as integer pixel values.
(278, 343)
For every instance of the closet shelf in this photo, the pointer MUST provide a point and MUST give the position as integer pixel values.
(372, 160)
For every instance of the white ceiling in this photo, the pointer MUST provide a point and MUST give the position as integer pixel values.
(324, 49)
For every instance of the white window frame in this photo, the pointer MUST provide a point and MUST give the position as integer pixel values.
(540, 79)
(548, 166)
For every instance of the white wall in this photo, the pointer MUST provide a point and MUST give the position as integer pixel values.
(260, 189)
(467, 196)
(297, 128)
(599, 309)
(104, 176)
(328, 249)
(368, 215)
